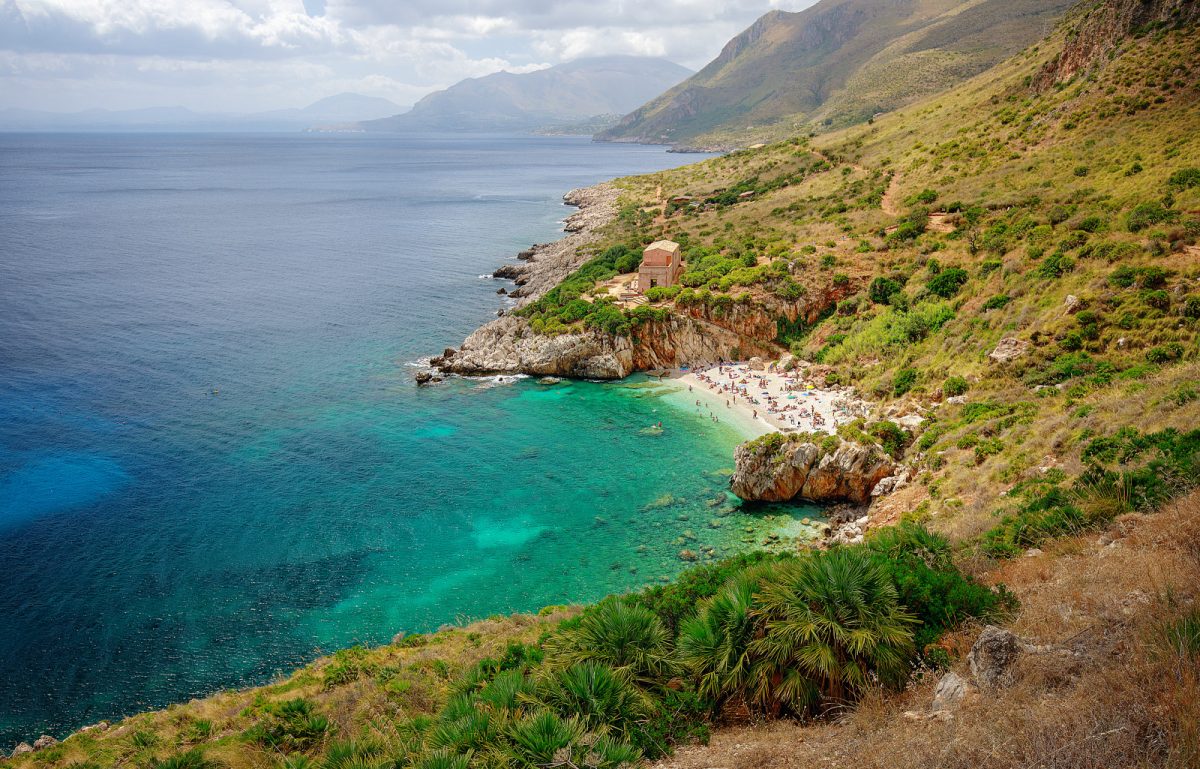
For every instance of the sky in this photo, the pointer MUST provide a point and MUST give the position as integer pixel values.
(253, 55)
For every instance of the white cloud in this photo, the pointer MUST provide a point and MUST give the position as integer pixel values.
(256, 54)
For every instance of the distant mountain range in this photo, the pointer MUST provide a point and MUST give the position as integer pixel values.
(341, 109)
(563, 95)
(835, 64)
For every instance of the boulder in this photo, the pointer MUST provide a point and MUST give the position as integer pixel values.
(509, 271)
(21, 749)
(757, 364)
(779, 469)
(993, 656)
(787, 362)
(1073, 304)
(45, 741)
(1009, 348)
(423, 377)
(502, 291)
(956, 400)
(949, 692)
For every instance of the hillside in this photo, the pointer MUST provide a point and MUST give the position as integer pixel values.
(834, 64)
(563, 94)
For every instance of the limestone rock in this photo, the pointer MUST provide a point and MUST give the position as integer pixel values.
(993, 656)
(21, 749)
(786, 363)
(780, 470)
(1009, 348)
(949, 692)
(956, 400)
(509, 271)
(509, 346)
(1073, 304)
(45, 741)
(890, 484)
(423, 377)
(757, 364)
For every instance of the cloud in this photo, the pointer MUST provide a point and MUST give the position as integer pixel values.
(226, 52)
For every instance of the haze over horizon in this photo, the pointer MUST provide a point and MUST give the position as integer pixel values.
(254, 55)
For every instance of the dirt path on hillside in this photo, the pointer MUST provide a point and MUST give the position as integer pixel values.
(889, 204)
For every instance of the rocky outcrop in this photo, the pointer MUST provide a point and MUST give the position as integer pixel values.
(1009, 348)
(697, 335)
(1101, 27)
(509, 346)
(778, 469)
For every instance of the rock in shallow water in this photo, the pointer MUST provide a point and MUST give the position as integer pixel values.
(783, 469)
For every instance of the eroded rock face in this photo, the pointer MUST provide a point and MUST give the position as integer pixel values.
(778, 470)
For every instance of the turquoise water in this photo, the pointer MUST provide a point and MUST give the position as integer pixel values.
(214, 464)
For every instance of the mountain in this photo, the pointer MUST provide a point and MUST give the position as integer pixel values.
(343, 108)
(835, 64)
(563, 94)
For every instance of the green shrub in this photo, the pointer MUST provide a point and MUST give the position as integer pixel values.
(293, 725)
(1172, 351)
(882, 289)
(598, 697)
(1055, 266)
(892, 437)
(929, 585)
(955, 385)
(626, 637)
(947, 282)
(996, 302)
(1184, 179)
(662, 293)
(192, 759)
(988, 266)
(1145, 215)
(904, 381)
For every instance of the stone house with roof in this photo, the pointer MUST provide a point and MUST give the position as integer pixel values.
(662, 265)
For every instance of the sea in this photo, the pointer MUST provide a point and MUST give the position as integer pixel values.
(214, 463)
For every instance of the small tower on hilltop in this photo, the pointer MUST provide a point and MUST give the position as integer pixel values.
(662, 265)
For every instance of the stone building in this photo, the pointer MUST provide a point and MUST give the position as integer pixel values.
(662, 265)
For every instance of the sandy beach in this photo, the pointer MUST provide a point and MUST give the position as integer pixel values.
(761, 402)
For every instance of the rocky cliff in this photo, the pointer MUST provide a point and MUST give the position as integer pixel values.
(1096, 30)
(776, 468)
(509, 346)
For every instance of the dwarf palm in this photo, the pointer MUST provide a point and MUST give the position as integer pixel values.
(832, 622)
(629, 639)
(602, 699)
(714, 645)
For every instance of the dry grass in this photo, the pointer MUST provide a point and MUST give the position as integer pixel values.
(1104, 694)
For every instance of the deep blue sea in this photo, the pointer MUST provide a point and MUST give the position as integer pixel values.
(214, 464)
